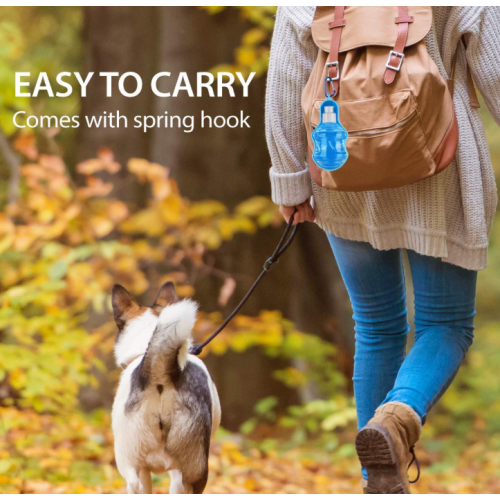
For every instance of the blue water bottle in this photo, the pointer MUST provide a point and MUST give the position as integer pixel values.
(329, 137)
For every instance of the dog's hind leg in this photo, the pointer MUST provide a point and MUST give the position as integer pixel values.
(189, 481)
(133, 481)
(138, 481)
(145, 478)
(198, 486)
(176, 485)
(182, 485)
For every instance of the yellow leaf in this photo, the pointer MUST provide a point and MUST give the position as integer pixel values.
(117, 210)
(245, 56)
(208, 208)
(147, 221)
(95, 187)
(101, 226)
(254, 36)
(161, 189)
(226, 292)
(170, 209)
(105, 164)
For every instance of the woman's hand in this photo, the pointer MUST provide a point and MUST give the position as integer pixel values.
(305, 212)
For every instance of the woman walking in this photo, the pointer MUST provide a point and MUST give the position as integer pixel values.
(443, 222)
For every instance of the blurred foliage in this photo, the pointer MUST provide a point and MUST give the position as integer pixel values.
(36, 39)
(61, 249)
(279, 338)
(312, 426)
(53, 454)
(62, 246)
(54, 46)
(253, 51)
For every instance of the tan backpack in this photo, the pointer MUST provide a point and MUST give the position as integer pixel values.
(396, 107)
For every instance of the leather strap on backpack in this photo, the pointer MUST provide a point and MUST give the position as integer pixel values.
(396, 55)
(332, 66)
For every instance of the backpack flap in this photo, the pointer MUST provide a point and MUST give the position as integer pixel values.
(369, 26)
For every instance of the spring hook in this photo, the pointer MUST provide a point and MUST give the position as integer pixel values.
(329, 80)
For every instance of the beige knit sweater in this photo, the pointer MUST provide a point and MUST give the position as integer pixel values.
(446, 216)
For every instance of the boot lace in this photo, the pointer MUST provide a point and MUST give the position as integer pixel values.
(414, 459)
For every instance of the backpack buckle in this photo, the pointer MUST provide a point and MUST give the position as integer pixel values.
(331, 65)
(395, 54)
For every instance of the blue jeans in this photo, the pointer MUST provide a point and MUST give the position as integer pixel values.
(444, 311)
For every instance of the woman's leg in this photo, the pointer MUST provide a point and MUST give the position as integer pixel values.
(375, 282)
(444, 311)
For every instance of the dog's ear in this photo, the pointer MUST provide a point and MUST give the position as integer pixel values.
(166, 296)
(123, 304)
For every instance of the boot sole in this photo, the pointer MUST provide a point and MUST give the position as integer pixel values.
(376, 452)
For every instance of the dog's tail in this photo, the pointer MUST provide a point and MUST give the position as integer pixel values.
(166, 355)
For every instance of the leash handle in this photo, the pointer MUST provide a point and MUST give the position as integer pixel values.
(285, 241)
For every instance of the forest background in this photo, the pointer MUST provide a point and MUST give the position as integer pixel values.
(81, 209)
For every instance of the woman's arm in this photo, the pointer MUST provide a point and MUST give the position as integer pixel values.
(292, 57)
(483, 57)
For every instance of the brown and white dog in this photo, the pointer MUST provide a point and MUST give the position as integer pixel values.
(166, 408)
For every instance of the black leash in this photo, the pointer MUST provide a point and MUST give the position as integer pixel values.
(283, 244)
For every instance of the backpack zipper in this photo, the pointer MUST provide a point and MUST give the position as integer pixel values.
(386, 129)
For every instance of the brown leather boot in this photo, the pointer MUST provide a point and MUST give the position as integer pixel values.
(385, 448)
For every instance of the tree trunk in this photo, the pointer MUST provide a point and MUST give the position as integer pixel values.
(119, 39)
(116, 39)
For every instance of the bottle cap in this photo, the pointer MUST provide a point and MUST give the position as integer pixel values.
(329, 116)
